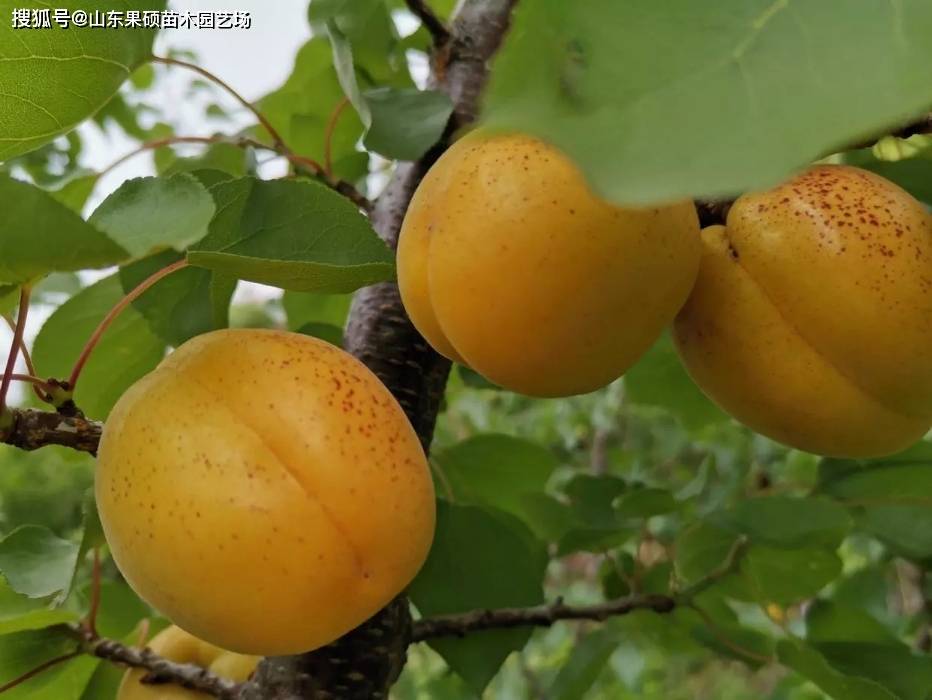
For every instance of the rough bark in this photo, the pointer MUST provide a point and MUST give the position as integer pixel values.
(367, 661)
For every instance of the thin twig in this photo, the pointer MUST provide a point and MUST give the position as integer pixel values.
(39, 669)
(113, 313)
(276, 137)
(460, 624)
(15, 346)
(328, 135)
(432, 23)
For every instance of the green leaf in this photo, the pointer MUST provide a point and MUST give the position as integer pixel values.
(53, 79)
(37, 563)
(41, 235)
(912, 174)
(473, 549)
(581, 670)
(126, 352)
(659, 379)
(302, 308)
(76, 191)
(150, 214)
(292, 234)
(829, 621)
(405, 122)
(782, 521)
(645, 503)
(738, 93)
(890, 498)
(701, 549)
(786, 576)
(300, 110)
(229, 160)
(496, 470)
(184, 304)
(325, 331)
(596, 525)
(19, 612)
(808, 662)
(346, 71)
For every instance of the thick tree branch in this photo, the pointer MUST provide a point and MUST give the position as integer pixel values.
(33, 429)
(539, 616)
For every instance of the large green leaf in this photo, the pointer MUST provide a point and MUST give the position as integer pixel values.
(890, 498)
(149, 214)
(37, 563)
(662, 100)
(782, 521)
(496, 470)
(24, 651)
(785, 576)
(405, 122)
(302, 308)
(808, 662)
(53, 79)
(127, 351)
(41, 235)
(292, 234)
(481, 558)
(587, 660)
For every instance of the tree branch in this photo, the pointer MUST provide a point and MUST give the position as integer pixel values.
(33, 429)
(432, 23)
(161, 670)
(539, 616)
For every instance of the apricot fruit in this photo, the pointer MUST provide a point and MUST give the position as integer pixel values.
(510, 264)
(811, 319)
(264, 491)
(174, 644)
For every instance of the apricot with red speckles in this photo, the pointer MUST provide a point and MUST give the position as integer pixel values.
(264, 491)
(811, 320)
(175, 644)
(509, 263)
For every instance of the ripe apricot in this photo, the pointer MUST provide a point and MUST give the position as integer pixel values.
(510, 264)
(811, 320)
(175, 644)
(264, 490)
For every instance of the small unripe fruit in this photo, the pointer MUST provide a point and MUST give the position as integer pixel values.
(510, 264)
(811, 320)
(264, 491)
(175, 644)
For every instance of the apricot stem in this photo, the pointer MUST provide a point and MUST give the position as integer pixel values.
(328, 135)
(18, 330)
(113, 313)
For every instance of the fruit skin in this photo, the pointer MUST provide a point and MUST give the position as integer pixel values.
(811, 319)
(174, 644)
(508, 263)
(264, 490)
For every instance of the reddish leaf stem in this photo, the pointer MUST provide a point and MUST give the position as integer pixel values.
(328, 135)
(39, 669)
(276, 137)
(91, 622)
(113, 313)
(17, 343)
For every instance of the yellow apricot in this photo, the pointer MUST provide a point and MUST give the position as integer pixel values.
(175, 644)
(811, 319)
(510, 264)
(264, 490)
